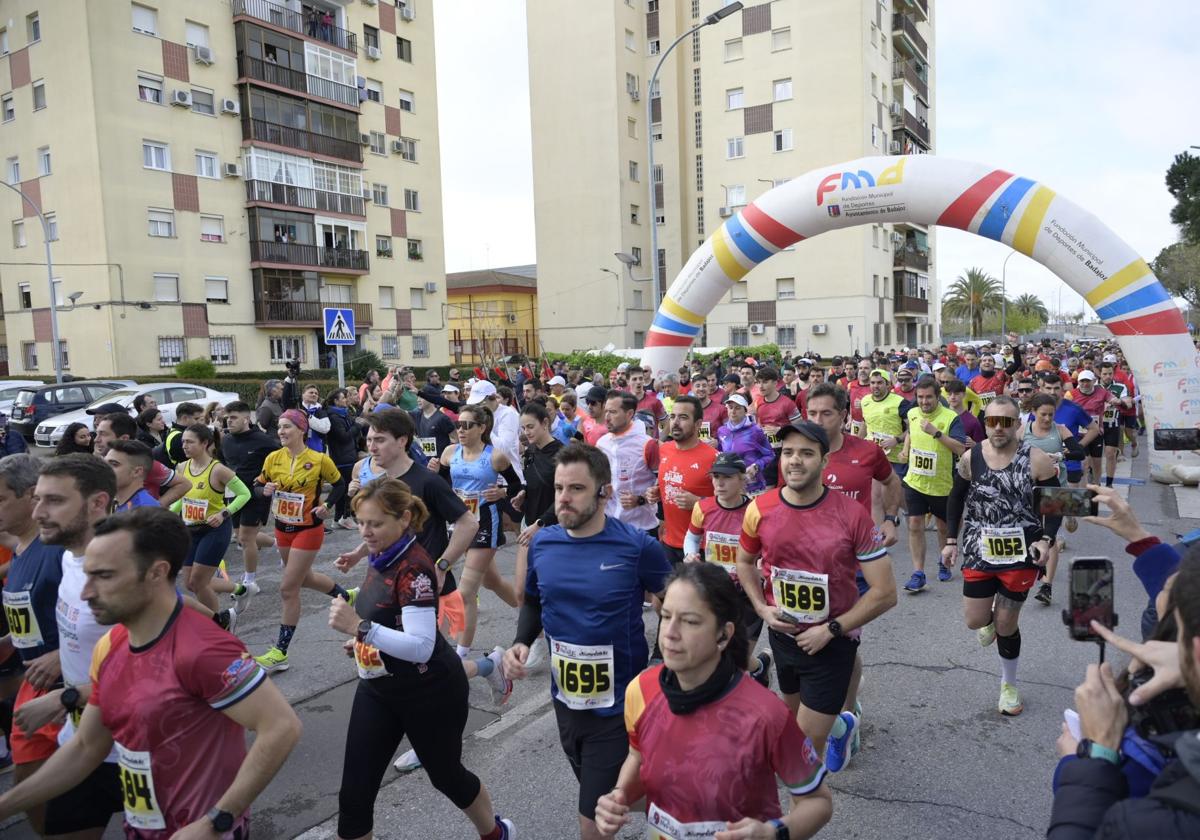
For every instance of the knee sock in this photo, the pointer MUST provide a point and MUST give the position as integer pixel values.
(485, 666)
(1108, 480)
(286, 631)
(1009, 648)
(339, 592)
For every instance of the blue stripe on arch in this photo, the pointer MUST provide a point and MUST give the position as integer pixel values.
(747, 244)
(1003, 208)
(1143, 297)
(671, 325)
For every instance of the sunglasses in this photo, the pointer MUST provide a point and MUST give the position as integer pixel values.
(999, 422)
(466, 424)
(1024, 390)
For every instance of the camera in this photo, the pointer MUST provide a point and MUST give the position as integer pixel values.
(293, 367)
(1171, 711)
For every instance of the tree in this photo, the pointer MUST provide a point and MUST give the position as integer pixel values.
(1178, 269)
(1030, 305)
(973, 296)
(1183, 183)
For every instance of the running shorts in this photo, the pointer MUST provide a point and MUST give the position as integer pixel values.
(491, 528)
(34, 746)
(88, 805)
(308, 539)
(917, 503)
(255, 512)
(822, 679)
(596, 747)
(1013, 584)
(1112, 436)
(900, 470)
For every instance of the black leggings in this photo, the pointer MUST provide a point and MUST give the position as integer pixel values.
(433, 714)
(342, 509)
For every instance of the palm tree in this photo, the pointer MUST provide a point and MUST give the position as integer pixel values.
(1031, 306)
(973, 296)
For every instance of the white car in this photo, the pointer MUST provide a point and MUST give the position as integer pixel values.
(167, 395)
(9, 389)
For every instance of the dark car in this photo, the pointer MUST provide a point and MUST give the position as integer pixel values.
(35, 403)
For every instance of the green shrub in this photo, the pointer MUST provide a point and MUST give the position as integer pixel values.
(192, 369)
(361, 362)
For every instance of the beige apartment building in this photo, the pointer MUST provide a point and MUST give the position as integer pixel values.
(762, 96)
(215, 172)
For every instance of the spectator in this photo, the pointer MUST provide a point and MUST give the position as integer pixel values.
(11, 443)
(151, 427)
(270, 406)
(77, 438)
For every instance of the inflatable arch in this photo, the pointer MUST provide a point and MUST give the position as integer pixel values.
(922, 189)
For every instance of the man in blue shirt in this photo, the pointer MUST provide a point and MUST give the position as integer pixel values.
(970, 370)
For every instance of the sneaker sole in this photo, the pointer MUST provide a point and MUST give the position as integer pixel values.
(271, 669)
(1012, 712)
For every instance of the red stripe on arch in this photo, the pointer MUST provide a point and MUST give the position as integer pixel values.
(963, 209)
(1167, 322)
(654, 338)
(778, 234)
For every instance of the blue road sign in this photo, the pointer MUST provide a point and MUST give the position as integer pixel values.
(339, 326)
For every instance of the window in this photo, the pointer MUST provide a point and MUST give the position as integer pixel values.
(630, 42)
(404, 49)
(202, 102)
(391, 347)
(783, 140)
(387, 294)
(631, 127)
(735, 148)
(374, 90)
(378, 142)
(636, 253)
(407, 101)
(44, 160)
(150, 89)
(781, 39)
(162, 223)
(52, 225)
(171, 350)
(416, 251)
(6, 103)
(420, 346)
(13, 170)
(785, 336)
(783, 89)
(39, 95)
(632, 85)
(653, 46)
(637, 298)
(286, 347)
(26, 296)
(221, 350)
(412, 201)
(379, 194)
(634, 214)
(416, 298)
(696, 90)
(206, 164)
(656, 89)
(370, 37)
(639, 339)
(656, 131)
(738, 337)
(145, 20)
(738, 292)
(56, 285)
(33, 28)
(212, 229)
(408, 149)
(735, 195)
(196, 34)
(156, 155)
(383, 246)
(633, 170)
(785, 288)
(733, 99)
(699, 173)
(166, 287)
(29, 355)
(216, 289)
(4, 41)
(733, 49)
(18, 229)
(700, 215)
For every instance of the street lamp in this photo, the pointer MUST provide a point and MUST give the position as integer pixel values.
(1004, 294)
(720, 14)
(55, 352)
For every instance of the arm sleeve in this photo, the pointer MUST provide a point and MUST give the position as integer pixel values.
(954, 506)
(691, 543)
(1017, 362)
(529, 621)
(514, 485)
(319, 424)
(412, 644)
(1074, 449)
(241, 495)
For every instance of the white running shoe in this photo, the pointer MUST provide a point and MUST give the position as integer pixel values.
(407, 762)
(243, 593)
(501, 685)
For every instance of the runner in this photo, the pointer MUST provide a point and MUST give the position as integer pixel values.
(130, 460)
(904, 382)
(186, 414)
(647, 401)
(742, 435)
(935, 439)
(1094, 400)
(1111, 420)
(859, 389)
(161, 482)
(171, 691)
(585, 584)
(684, 473)
(715, 414)
(812, 606)
(885, 415)
(1002, 540)
(693, 717)
(435, 431)
(244, 450)
(593, 421)
(990, 383)
(971, 400)
(410, 682)
(956, 399)
(1079, 423)
(291, 478)
(536, 501)
(633, 463)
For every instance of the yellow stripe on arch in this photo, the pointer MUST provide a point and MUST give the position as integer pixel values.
(733, 269)
(1127, 276)
(1031, 220)
(676, 310)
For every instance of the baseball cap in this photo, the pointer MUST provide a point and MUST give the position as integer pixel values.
(480, 391)
(596, 394)
(810, 430)
(739, 399)
(1110, 357)
(624, 366)
(728, 463)
(887, 375)
(837, 360)
(938, 366)
(912, 365)
(1086, 374)
(557, 380)
(449, 388)
(732, 377)
(108, 408)
(805, 361)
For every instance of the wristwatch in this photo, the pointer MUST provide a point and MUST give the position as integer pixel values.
(443, 564)
(893, 518)
(781, 830)
(222, 821)
(364, 627)
(641, 500)
(835, 627)
(69, 698)
(1088, 748)
(937, 435)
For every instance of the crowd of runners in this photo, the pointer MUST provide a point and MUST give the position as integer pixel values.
(661, 527)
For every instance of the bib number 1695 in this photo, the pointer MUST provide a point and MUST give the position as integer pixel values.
(576, 677)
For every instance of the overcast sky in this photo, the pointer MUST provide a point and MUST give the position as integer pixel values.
(1093, 99)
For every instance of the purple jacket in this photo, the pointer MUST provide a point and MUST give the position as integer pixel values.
(749, 441)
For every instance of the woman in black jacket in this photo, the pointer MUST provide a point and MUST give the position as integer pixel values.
(341, 442)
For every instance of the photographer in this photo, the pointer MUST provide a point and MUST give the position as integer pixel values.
(291, 385)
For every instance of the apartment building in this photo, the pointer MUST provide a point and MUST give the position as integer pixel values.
(740, 106)
(215, 172)
(492, 313)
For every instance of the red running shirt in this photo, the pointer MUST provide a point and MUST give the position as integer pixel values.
(858, 393)
(779, 412)
(687, 470)
(719, 529)
(853, 467)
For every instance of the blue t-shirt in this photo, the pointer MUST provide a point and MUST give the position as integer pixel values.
(591, 594)
(139, 499)
(1072, 415)
(30, 599)
(966, 374)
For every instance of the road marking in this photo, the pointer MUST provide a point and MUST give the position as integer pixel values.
(518, 714)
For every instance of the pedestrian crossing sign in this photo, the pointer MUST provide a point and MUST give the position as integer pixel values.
(339, 326)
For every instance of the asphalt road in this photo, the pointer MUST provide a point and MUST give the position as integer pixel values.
(938, 761)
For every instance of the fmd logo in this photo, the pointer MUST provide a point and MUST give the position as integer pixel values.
(1164, 368)
(1189, 405)
(862, 179)
(1188, 382)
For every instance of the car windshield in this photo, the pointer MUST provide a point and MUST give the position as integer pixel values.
(11, 393)
(113, 396)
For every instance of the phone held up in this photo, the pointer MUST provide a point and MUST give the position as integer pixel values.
(1176, 439)
(1066, 501)
(1091, 599)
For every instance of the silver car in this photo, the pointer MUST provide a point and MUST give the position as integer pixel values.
(166, 395)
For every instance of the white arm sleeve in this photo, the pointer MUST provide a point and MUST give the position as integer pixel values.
(320, 425)
(412, 644)
(691, 543)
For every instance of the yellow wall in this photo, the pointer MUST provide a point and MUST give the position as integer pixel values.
(488, 319)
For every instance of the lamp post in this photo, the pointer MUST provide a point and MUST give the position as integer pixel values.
(1004, 294)
(49, 280)
(716, 16)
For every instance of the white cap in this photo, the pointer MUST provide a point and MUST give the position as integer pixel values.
(581, 391)
(937, 366)
(739, 399)
(1110, 357)
(624, 366)
(1086, 374)
(449, 388)
(480, 391)
(998, 358)
(557, 380)
(806, 361)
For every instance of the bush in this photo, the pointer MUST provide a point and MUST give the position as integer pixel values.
(361, 362)
(192, 369)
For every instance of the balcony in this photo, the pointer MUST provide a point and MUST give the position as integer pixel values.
(905, 29)
(913, 125)
(277, 74)
(305, 198)
(909, 72)
(295, 253)
(294, 21)
(298, 138)
(904, 304)
(911, 258)
(303, 313)
(918, 7)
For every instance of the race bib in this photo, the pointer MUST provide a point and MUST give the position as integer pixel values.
(987, 397)
(288, 507)
(662, 826)
(1110, 416)
(722, 550)
(705, 430)
(1002, 546)
(879, 438)
(137, 785)
(471, 500)
(195, 511)
(774, 440)
(22, 622)
(369, 662)
(583, 675)
(428, 446)
(803, 595)
(856, 427)
(923, 462)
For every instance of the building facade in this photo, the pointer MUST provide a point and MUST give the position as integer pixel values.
(739, 107)
(492, 313)
(216, 173)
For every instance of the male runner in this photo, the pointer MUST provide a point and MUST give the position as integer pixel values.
(1111, 420)
(584, 588)
(971, 400)
(956, 398)
(773, 410)
(185, 415)
(1095, 400)
(684, 473)
(244, 449)
(593, 420)
(1085, 428)
(714, 412)
(885, 416)
(129, 461)
(633, 462)
(1001, 541)
(859, 389)
(434, 430)
(647, 402)
(160, 482)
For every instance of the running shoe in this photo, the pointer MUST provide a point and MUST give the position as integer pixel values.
(837, 750)
(227, 619)
(352, 595)
(1134, 453)
(944, 573)
(1072, 524)
(273, 660)
(763, 677)
(407, 762)
(986, 635)
(501, 685)
(856, 741)
(242, 593)
(1043, 594)
(507, 830)
(915, 583)
(1010, 700)
(348, 523)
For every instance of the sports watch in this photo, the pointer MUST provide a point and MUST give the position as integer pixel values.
(364, 627)
(893, 518)
(443, 564)
(1088, 748)
(222, 821)
(781, 830)
(70, 698)
(835, 627)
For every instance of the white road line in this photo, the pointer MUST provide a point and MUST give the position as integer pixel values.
(518, 714)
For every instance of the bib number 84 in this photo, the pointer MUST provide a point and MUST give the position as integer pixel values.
(801, 597)
(583, 677)
(138, 794)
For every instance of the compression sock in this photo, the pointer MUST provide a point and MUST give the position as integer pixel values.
(839, 728)
(1108, 480)
(248, 577)
(339, 592)
(1009, 648)
(485, 666)
(463, 651)
(286, 631)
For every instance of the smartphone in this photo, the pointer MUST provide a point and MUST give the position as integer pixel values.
(1090, 598)
(1066, 501)
(1173, 439)
(787, 617)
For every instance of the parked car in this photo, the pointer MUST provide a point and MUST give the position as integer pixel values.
(166, 395)
(9, 389)
(35, 404)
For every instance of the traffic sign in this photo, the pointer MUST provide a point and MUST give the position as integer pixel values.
(339, 326)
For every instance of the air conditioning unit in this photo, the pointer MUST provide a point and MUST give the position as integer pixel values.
(374, 53)
(635, 95)
(182, 98)
(820, 329)
(407, 13)
(231, 170)
(231, 106)
(757, 329)
(366, 195)
(204, 55)
(724, 212)
(894, 147)
(431, 287)
(398, 147)
(512, 317)
(364, 139)
(895, 109)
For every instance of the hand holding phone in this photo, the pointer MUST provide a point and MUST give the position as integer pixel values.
(1091, 598)
(1066, 501)
(1171, 440)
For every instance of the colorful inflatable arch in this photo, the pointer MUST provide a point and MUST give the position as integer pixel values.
(928, 190)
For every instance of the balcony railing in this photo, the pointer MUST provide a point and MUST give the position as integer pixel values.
(277, 74)
(295, 253)
(908, 71)
(913, 126)
(903, 24)
(305, 197)
(294, 21)
(905, 304)
(911, 258)
(304, 312)
(298, 138)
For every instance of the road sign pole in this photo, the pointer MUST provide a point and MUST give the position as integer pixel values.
(341, 368)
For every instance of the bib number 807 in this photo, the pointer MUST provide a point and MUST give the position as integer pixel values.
(583, 677)
(801, 597)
